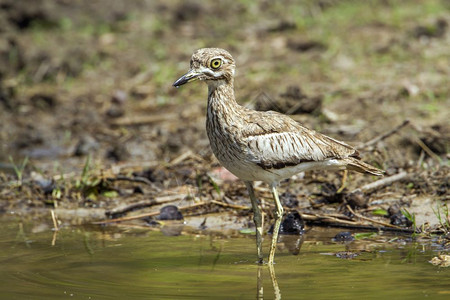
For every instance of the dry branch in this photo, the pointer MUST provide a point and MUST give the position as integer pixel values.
(235, 206)
(370, 187)
(371, 220)
(146, 203)
(152, 214)
(135, 179)
(383, 136)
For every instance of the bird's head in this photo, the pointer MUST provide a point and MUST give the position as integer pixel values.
(212, 65)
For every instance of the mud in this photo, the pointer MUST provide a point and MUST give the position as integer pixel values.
(86, 96)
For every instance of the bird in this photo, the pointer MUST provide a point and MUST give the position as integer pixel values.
(262, 145)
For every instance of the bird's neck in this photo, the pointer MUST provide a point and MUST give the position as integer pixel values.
(221, 96)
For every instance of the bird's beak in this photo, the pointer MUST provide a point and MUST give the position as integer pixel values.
(192, 75)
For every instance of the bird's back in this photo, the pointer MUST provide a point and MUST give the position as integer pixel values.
(270, 146)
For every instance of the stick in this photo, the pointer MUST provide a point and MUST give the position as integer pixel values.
(427, 150)
(370, 220)
(231, 205)
(370, 187)
(326, 219)
(152, 214)
(146, 203)
(135, 179)
(383, 136)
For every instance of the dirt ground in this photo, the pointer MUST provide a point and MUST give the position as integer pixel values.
(91, 126)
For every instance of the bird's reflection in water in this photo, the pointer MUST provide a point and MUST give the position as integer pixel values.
(273, 277)
(259, 281)
(292, 243)
(259, 284)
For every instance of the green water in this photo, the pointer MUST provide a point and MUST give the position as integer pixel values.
(124, 263)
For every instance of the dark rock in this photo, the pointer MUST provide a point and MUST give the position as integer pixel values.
(399, 219)
(343, 236)
(170, 212)
(115, 112)
(356, 199)
(292, 224)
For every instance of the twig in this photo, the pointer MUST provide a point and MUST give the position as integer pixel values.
(135, 179)
(427, 150)
(184, 156)
(326, 219)
(116, 168)
(231, 205)
(371, 220)
(383, 136)
(152, 214)
(370, 187)
(146, 203)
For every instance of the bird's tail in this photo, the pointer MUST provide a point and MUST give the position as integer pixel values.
(362, 167)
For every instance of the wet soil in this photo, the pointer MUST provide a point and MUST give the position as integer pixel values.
(92, 127)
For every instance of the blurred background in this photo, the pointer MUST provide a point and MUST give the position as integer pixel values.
(85, 78)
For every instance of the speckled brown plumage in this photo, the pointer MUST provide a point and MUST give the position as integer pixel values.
(266, 146)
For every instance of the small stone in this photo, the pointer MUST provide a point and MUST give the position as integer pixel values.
(356, 199)
(118, 152)
(399, 219)
(170, 212)
(343, 236)
(292, 224)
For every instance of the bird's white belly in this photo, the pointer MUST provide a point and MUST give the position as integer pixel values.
(250, 171)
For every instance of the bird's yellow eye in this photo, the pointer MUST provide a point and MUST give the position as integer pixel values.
(215, 63)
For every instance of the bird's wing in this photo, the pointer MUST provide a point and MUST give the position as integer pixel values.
(275, 141)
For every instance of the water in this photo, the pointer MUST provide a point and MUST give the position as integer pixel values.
(138, 263)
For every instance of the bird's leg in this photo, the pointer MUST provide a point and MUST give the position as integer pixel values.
(257, 218)
(278, 215)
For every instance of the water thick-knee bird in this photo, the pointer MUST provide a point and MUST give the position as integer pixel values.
(261, 146)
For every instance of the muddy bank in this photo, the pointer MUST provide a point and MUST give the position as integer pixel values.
(89, 119)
